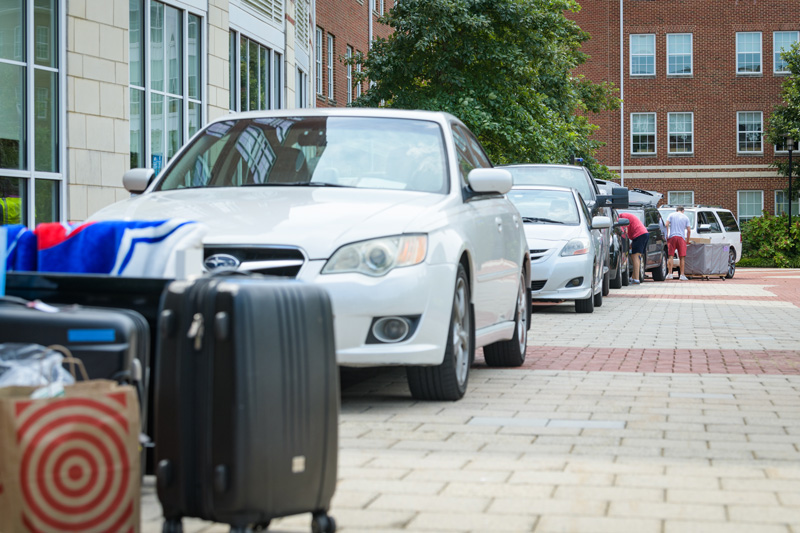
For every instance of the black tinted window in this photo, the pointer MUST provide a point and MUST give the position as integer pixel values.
(728, 221)
(708, 218)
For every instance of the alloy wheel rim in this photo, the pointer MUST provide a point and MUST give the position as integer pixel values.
(461, 331)
(522, 317)
(731, 263)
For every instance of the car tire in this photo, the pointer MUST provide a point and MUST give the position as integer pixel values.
(598, 299)
(660, 273)
(606, 285)
(585, 306)
(616, 281)
(511, 353)
(626, 277)
(731, 263)
(448, 381)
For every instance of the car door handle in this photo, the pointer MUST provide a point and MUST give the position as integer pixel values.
(499, 222)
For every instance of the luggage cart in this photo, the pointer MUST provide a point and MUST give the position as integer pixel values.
(706, 260)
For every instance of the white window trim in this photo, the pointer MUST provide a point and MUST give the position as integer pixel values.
(761, 113)
(691, 55)
(318, 59)
(330, 65)
(348, 55)
(775, 51)
(775, 204)
(655, 135)
(738, 208)
(630, 54)
(691, 113)
(760, 53)
(670, 202)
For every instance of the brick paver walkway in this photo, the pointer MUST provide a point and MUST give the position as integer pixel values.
(673, 408)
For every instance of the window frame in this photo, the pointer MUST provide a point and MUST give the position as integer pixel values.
(331, 43)
(761, 133)
(691, 133)
(739, 204)
(796, 204)
(631, 55)
(776, 53)
(739, 71)
(318, 59)
(670, 201)
(691, 55)
(349, 55)
(655, 134)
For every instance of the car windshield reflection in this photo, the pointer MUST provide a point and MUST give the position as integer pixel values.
(542, 206)
(359, 152)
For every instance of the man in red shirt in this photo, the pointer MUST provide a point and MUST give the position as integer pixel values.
(639, 237)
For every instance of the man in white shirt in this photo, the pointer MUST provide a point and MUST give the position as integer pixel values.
(678, 234)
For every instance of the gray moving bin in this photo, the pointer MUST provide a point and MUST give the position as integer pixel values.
(705, 260)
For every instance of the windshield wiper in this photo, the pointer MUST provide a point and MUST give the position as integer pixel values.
(293, 184)
(538, 219)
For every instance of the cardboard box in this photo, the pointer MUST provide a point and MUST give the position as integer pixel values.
(700, 240)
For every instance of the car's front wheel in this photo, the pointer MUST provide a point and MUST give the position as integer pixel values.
(512, 352)
(617, 281)
(660, 273)
(731, 263)
(448, 381)
(587, 304)
(606, 284)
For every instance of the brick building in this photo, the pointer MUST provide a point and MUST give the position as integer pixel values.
(344, 28)
(699, 82)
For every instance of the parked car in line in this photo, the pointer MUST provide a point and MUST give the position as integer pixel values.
(619, 251)
(565, 243)
(398, 214)
(714, 223)
(582, 180)
(657, 254)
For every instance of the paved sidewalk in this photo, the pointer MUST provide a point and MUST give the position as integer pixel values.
(695, 431)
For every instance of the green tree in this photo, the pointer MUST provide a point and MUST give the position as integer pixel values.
(785, 118)
(504, 67)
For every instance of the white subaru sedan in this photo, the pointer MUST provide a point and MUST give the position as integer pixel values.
(398, 214)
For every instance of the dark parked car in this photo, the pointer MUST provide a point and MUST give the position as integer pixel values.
(619, 253)
(656, 261)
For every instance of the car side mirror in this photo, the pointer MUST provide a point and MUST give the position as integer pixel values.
(490, 180)
(136, 180)
(653, 227)
(622, 222)
(704, 228)
(600, 222)
(618, 198)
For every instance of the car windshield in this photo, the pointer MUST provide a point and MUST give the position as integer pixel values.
(559, 176)
(542, 206)
(667, 211)
(362, 152)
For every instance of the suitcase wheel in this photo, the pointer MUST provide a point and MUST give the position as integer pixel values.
(323, 523)
(172, 526)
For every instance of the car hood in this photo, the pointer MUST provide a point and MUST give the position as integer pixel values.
(319, 220)
(546, 235)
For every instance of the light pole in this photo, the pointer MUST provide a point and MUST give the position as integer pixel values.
(790, 147)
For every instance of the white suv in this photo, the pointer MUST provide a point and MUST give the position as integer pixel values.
(715, 223)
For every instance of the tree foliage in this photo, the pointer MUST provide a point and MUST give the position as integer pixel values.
(785, 118)
(504, 67)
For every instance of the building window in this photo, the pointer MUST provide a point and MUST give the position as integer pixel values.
(277, 79)
(254, 88)
(748, 52)
(318, 56)
(782, 41)
(174, 89)
(330, 66)
(643, 133)
(679, 54)
(349, 54)
(782, 205)
(750, 205)
(358, 83)
(680, 127)
(643, 55)
(680, 197)
(301, 96)
(302, 36)
(31, 130)
(749, 126)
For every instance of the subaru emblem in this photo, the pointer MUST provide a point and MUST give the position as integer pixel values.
(217, 261)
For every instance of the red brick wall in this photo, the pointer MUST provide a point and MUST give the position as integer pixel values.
(348, 22)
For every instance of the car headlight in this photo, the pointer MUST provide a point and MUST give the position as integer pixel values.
(577, 246)
(378, 257)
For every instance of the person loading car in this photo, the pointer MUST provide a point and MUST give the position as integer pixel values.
(639, 237)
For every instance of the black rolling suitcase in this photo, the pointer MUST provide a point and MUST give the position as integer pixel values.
(111, 343)
(246, 402)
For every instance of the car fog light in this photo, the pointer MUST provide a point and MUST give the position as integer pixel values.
(575, 282)
(391, 329)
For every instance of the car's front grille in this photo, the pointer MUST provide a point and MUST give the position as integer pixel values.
(538, 254)
(283, 261)
(538, 284)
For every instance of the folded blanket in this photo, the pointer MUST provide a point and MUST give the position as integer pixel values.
(117, 247)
